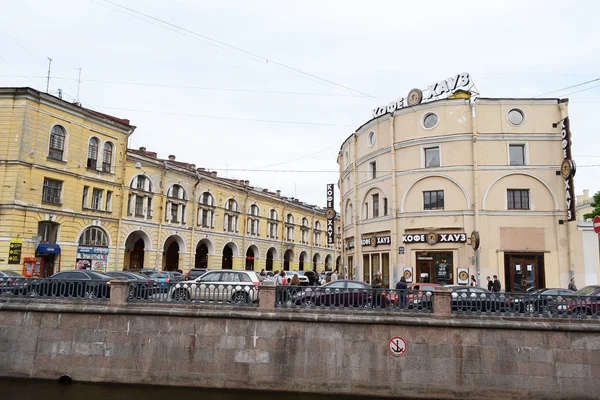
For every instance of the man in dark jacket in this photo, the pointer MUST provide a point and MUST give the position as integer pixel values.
(497, 286)
(490, 284)
(402, 289)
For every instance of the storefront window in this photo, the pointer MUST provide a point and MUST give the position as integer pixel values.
(435, 267)
(385, 267)
(366, 268)
(374, 265)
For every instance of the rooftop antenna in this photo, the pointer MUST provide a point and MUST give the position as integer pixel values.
(78, 84)
(48, 79)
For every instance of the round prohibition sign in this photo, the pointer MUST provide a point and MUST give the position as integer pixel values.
(397, 346)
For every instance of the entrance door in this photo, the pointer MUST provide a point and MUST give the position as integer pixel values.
(424, 271)
(172, 257)
(136, 258)
(227, 260)
(524, 272)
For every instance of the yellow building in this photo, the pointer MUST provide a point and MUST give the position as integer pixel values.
(73, 196)
(444, 189)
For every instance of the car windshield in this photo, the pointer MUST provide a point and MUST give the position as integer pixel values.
(586, 291)
(11, 273)
(97, 275)
(160, 275)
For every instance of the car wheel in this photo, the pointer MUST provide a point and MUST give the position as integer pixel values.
(89, 294)
(181, 295)
(368, 304)
(240, 297)
(530, 308)
(581, 313)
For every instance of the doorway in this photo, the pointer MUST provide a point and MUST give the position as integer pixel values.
(249, 259)
(269, 263)
(227, 257)
(172, 257)
(524, 271)
(201, 260)
(435, 267)
(136, 258)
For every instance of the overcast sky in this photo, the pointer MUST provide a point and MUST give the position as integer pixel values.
(227, 109)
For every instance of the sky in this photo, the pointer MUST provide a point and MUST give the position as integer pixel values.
(267, 90)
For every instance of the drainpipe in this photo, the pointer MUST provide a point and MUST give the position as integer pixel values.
(356, 213)
(160, 217)
(245, 227)
(475, 185)
(395, 241)
(124, 163)
(194, 219)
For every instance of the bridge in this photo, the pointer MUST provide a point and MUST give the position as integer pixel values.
(435, 348)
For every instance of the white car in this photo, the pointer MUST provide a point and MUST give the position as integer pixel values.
(303, 279)
(224, 285)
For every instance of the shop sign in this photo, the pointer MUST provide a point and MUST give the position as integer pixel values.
(376, 240)
(433, 238)
(94, 258)
(568, 169)
(14, 251)
(330, 214)
(434, 91)
(443, 271)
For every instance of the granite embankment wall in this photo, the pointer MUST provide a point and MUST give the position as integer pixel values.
(301, 351)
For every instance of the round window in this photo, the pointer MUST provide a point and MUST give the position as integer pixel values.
(515, 116)
(430, 121)
(372, 138)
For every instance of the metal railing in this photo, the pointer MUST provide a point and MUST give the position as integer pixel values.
(194, 293)
(526, 305)
(302, 297)
(54, 288)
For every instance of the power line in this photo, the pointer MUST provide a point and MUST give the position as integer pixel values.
(569, 87)
(222, 118)
(234, 49)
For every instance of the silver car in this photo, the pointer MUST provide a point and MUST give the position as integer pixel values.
(223, 285)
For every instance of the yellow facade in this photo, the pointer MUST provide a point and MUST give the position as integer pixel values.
(117, 210)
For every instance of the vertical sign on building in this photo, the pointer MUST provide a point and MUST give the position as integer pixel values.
(14, 251)
(568, 169)
(330, 213)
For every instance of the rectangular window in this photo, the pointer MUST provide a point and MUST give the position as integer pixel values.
(366, 210)
(183, 214)
(432, 157)
(51, 191)
(206, 218)
(433, 200)
(97, 199)
(84, 199)
(373, 169)
(149, 209)
(139, 206)
(141, 182)
(518, 199)
(375, 205)
(174, 213)
(48, 231)
(385, 206)
(108, 206)
(517, 154)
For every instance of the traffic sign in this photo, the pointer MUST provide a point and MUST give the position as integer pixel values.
(397, 346)
(597, 224)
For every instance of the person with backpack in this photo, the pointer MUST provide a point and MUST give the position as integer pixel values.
(497, 286)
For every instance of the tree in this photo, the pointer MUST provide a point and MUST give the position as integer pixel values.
(596, 205)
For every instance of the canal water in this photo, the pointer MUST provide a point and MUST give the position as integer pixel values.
(28, 389)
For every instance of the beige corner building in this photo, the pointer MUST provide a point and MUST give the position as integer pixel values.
(441, 190)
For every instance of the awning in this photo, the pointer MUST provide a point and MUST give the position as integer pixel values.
(47, 248)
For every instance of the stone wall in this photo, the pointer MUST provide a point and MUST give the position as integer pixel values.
(301, 351)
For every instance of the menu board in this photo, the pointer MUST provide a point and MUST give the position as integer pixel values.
(14, 251)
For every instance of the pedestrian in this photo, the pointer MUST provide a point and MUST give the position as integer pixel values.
(262, 272)
(284, 280)
(295, 280)
(490, 284)
(473, 281)
(401, 288)
(572, 285)
(377, 281)
(497, 286)
(334, 276)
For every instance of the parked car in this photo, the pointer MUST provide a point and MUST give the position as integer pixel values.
(583, 302)
(84, 284)
(303, 279)
(476, 299)
(11, 281)
(144, 271)
(140, 286)
(164, 279)
(195, 273)
(538, 300)
(420, 295)
(219, 285)
(340, 293)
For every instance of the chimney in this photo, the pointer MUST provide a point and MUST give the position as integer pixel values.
(247, 183)
(201, 169)
(265, 190)
(278, 192)
(142, 149)
(192, 166)
(171, 157)
(213, 174)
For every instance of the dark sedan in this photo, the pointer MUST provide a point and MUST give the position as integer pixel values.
(582, 303)
(140, 286)
(475, 299)
(81, 284)
(10, 281)
(537, 301)
(340, 293)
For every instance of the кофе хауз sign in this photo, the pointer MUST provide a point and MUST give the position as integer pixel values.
(433, 238)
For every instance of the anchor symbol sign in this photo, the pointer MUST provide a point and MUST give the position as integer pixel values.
(397, 346)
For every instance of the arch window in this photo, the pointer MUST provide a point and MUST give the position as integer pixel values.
(289, 228)
(206, 211)
(349, 214)
(176, 202)
(304, 231)
(94, 236)
(107, 157)
(272, 224)
(253, 221)
(317, 234)
(230, 219)
(57, 143)
(92, 158)
(139, 203)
